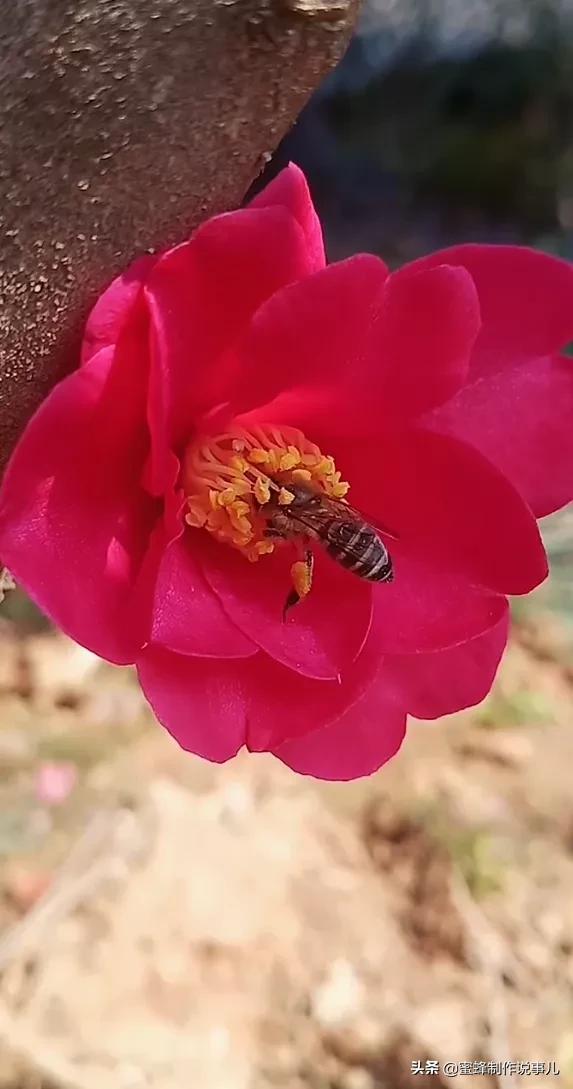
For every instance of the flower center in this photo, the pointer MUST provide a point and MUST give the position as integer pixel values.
(235, 483)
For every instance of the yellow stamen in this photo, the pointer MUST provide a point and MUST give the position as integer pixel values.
(258, 456)
(227, 497)
(238, 515)
(289, 460)
(238, 463)
(196, 516)
(260, 548)
(262, 490)
(236, 482)
(273, 461)
(326, 466)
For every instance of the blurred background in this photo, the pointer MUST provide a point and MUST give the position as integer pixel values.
(166, 924)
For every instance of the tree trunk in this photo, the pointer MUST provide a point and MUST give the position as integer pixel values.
(123, 124)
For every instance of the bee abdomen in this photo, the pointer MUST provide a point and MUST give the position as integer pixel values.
(363, 553)
(380, 570)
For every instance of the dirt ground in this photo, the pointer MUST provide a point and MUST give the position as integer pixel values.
(173, 925)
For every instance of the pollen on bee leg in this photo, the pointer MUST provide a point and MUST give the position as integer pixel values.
(301, 574)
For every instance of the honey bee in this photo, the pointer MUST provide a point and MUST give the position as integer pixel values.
(337, 527)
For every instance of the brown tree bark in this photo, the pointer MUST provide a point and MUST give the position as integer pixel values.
(123, 124)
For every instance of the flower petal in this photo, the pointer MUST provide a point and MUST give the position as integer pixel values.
(357, 744)
(424, 335)
(74, 523)
(343, 346)
(447, 505)
(201, 296)
(517, 407)
(312, 335)
(320, 637)
(428, 608)
(289, 190)
(432, 685)
(113, 308)
(201, 703)
(188, 617)
(284, 705)
(525, 297)
(521, 419)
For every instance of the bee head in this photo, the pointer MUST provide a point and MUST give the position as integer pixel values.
(304, 496)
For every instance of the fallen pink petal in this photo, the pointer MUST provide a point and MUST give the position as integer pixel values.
(54, 782)
(297, 496)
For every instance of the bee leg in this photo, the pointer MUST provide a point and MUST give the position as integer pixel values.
(301, 572)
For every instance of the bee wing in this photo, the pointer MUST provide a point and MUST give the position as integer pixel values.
(384, 530)
(342, 509)
(310, 520)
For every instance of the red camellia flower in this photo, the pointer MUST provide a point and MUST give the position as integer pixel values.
(242, 410)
